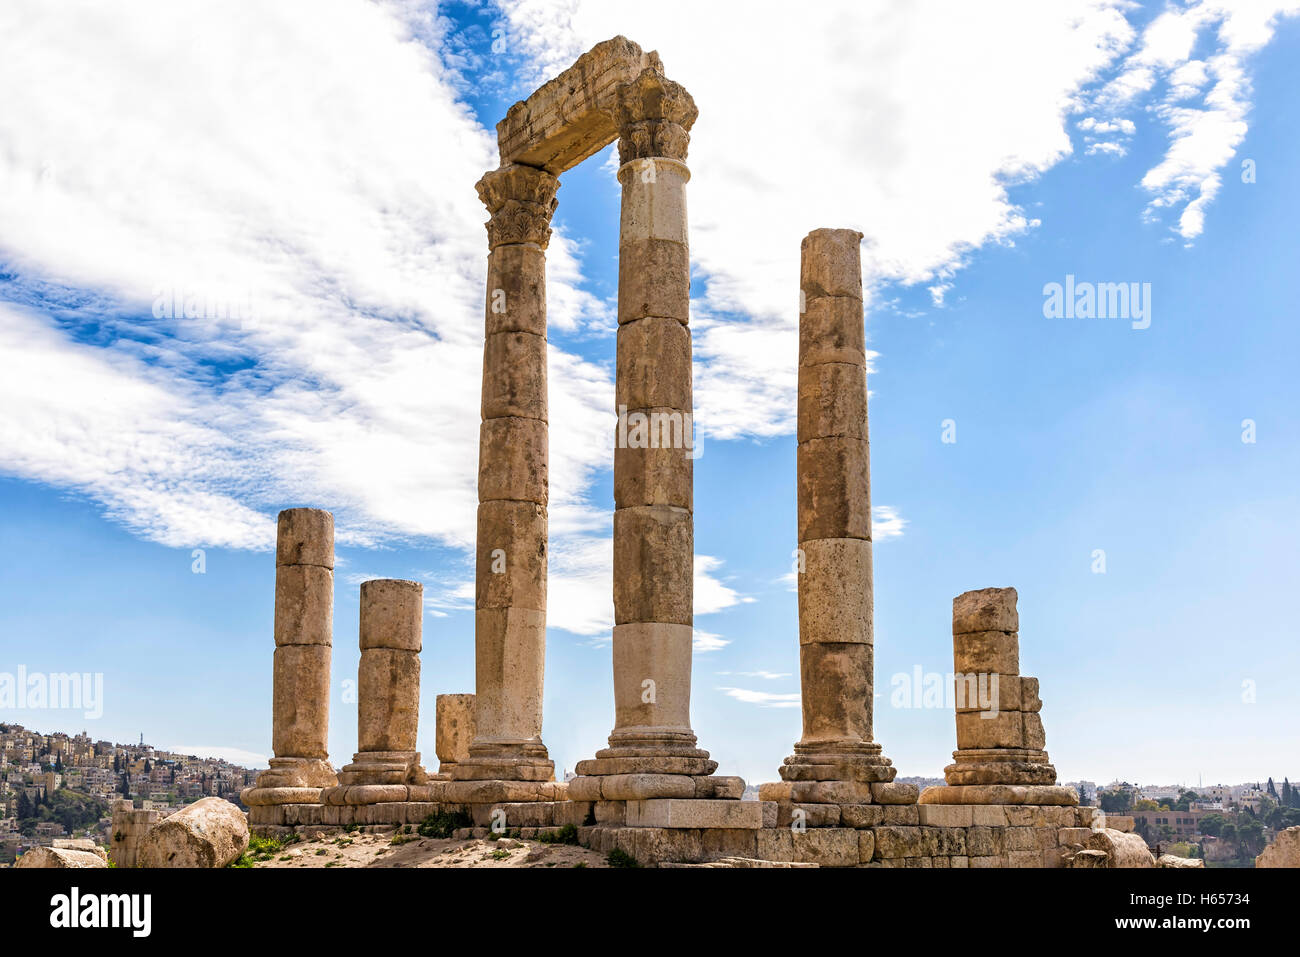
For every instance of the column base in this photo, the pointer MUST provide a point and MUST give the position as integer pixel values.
(290, 781)
(383, 767)
(860, 761)
(986, 766)
(505, 761)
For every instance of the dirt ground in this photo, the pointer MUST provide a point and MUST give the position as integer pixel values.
(380, 850)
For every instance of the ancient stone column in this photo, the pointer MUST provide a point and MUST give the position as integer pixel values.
(304, 624)
(510, 572)
(1000, 741)
(652, 747)
(388, 687)
(834, 519)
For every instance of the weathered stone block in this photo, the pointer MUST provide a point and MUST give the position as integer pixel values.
(511, 556)
(830, 263)
(1035, 737)
(834, 490)
(654, 279)
(512, 460)
(862, 815)
(832, 401)
(985, 652)
(388, 700)
(454, 727)
(984, 729)
(986, 609)
(516, 290)
(694, 814)
(304, 604)
(654, 476)
(392, 613)
(835, 679)
(832, 329)
(654, 364)
(305, 536)
(654, 201)
(654, 547)
(950, 815)
(301, 701)
(894, 841)
(514, 375)
(894, 792)
(835, 592)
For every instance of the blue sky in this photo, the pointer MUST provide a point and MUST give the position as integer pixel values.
(322, 176)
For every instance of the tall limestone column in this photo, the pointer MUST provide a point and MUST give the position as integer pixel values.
(653, 519)
(834, 517)
(510, 572)
(304, 627)
(388, 693)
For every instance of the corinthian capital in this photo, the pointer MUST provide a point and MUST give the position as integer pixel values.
(521, 200)
(654, 117)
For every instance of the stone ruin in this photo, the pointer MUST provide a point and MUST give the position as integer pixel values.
(652, 793)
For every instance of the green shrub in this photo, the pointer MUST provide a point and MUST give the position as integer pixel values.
(618, 858)
(441, 825)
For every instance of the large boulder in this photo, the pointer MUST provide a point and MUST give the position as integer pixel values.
(1122, 850)
(209, 833)
(1283, 852)
(61, 857)
(1172, 860)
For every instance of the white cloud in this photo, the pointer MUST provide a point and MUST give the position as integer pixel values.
(767, 675)
(237, 756)
(1203, 105)
(764, 699)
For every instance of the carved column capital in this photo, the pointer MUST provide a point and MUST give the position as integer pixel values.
(521, 200)
(654, 117)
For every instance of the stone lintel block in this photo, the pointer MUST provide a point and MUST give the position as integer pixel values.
(832, 329)
(832, 401)
(1000, 794)
(986, 609)
(510, 570)
(655, 476)
(835, 592)
(260, 796)
(632, 787)
(831, 263)
(946, 815)
(986, 692)
(894, 792)
(694, 813)
(304, 604)
(388, 700)
(516, 290)
(503, 791)
(653, 364)
(305, 536)
(985, 652)
(834, 488)
(654, 554)
(514, 375)
(512, 460)
(654, 279)
(835, 679)
(301, 701)
(571, 117)
(392, 614)
(654, 201)
(985, 729)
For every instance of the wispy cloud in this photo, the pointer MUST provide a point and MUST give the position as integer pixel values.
(764, 699)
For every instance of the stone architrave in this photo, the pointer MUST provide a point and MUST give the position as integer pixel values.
(304, 626)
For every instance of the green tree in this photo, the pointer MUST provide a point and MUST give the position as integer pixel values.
(1213, 824)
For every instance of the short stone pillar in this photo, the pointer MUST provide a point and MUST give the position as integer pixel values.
(388, 693)
(304, 627)
(454, 731)
(510, 571)
(128, 829)
(1000, 756)
(834, 557)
